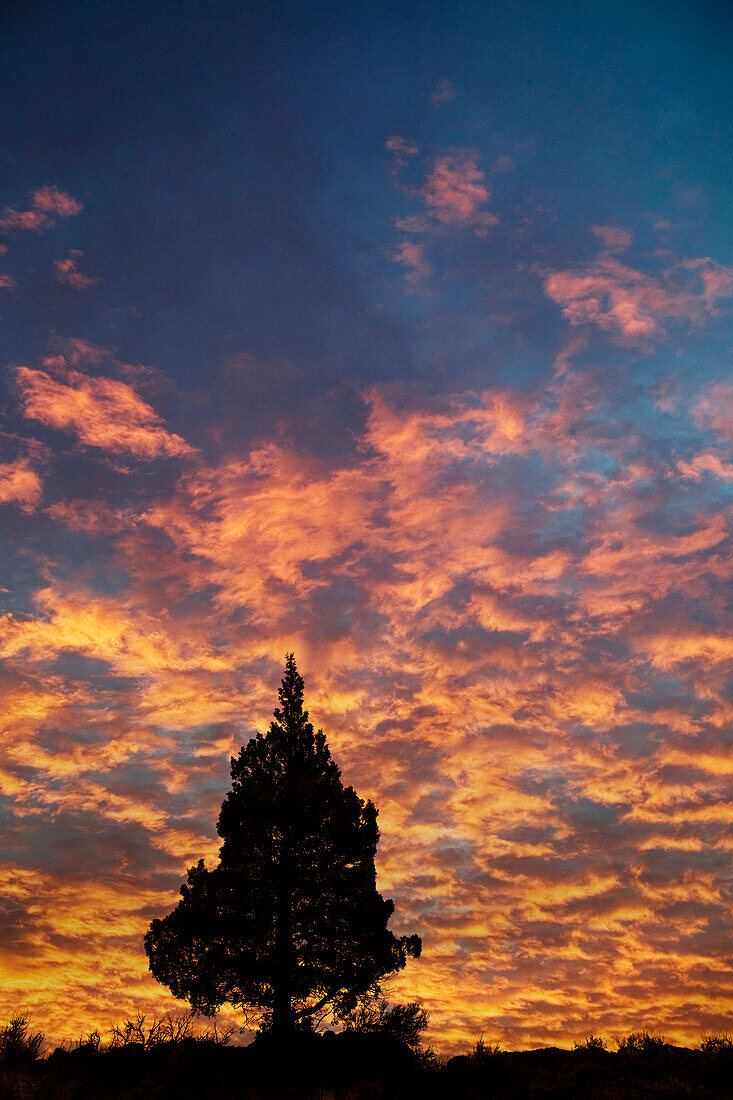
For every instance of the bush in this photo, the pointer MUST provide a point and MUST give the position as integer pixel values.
(590, 1042)
(640, 1042)
(405, 1023)
(161, 1030)
(17, 1044)
(484, 1050)
(717, 1045)
(88, 1044)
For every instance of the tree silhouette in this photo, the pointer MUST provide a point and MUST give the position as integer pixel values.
(290, 925)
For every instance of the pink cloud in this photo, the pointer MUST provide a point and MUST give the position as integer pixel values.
(44, 202)
(572, 347)
(398, 145)
(445, 92)
(714, 409)
(52, 201)
(706, 463)
(102, 412)
(631, 305)
(412, 255)
(454, 197)
(506, 163)
(400, 151)
(717, 280)
(68, 273)
(23, 219)
(6, 282)
(455, 192)
(613, 238)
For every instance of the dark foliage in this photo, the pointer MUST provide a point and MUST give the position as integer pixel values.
(591, 1042)
(640, 1043)
(404, 1022)
(400, 1023)
(289, 926)
(19, 1045)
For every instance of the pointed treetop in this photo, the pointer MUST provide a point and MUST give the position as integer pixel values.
(290, 713)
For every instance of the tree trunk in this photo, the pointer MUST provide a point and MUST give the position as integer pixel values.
(282, 1014)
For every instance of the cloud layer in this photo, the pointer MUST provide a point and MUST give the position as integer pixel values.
(510, 619)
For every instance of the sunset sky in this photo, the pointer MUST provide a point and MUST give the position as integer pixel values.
(397, 335)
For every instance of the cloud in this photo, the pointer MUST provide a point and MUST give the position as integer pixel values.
(102, 412)
(6, 282)
(613, 238)
(509, 610)
(455, 193)
(713, 409)
(401, 148)
(706, 463)
(52, 201)
(634, 307)
(453, 198)
(445, 92)
(24, 219)
(20, 483)
(44, 202)
(68, 273)
(412, 255)
(401, 152)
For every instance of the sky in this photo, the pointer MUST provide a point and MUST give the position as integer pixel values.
(400, 338)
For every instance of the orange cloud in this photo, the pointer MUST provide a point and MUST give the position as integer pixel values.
(102, 412)
(20, 483)
(512, 653)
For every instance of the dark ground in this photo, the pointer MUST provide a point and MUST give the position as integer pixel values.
(357, 1068)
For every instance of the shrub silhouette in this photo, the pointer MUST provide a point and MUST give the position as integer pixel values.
(718, 1046)
(483, 1051)
(590, 1042)
(18, 1045)
(90, 1043)
(289, 926)
(403, 1022)
(640, 1042)
(164, 1030)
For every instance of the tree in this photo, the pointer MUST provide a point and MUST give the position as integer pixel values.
(289, 926)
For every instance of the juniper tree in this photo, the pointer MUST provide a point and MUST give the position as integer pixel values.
(289, 926)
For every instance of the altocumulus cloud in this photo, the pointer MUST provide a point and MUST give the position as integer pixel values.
(525, 674)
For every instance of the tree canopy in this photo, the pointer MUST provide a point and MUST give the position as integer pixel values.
(289, 926)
